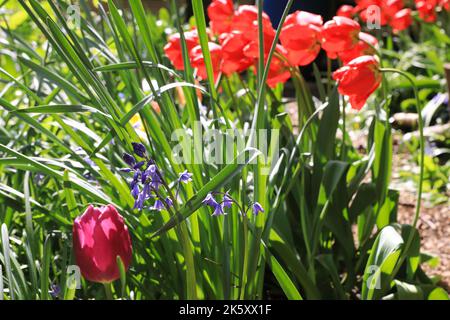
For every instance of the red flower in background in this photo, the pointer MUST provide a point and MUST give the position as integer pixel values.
(300, 35)
(401, 20)
(234, 59)
(391, 7)
(278, 69)
(221, 13)
(246, 21)
(198, 61)
(346, 10)
(368, 9)
(339, 34)
(99, 236)
(358, 80)
(173, 48)
(365, 46)
(389, 11)
(445, 4)
(427, 10)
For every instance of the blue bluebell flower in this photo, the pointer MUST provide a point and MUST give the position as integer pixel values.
(185, 176)
(139, 203)
(138, 165)
(227, 202)
(38, 178)
(158, 205)
(257, 208)
(135, 179)
(55, 291)
(218, 210)
(129, 159)
(139, 149)
(169, 202)
(89, 161)
(152, 173)
(135, 191)
(210, 201)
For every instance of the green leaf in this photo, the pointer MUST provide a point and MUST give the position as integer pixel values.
(7, 260)
(382, 260)
(407, 291)
(438, 294)
(61, 108)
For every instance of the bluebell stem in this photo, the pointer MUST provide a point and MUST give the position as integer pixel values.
(139, 149)
(257, 208)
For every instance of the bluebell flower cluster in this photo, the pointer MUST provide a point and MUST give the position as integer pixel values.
(148, 183)
(147, 180)
(227, 202)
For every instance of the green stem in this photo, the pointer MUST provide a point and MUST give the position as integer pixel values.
(108, 290)
(421, 160)
(344, 130)
(245, 254)
(328, 76)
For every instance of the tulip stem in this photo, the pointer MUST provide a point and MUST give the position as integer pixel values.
(108, 290)
(421, 161)
(344, 130)
(328, 76)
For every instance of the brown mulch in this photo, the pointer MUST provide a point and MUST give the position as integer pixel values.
(434, 229)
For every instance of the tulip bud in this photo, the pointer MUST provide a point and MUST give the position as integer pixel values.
(99, 236)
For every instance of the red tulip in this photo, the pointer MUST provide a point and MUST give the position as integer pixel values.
(339, 34)
(234, 59)
(365, 46)
(427, 10)
(197, 60)
(173, 47)
(278, 69)
(358, 80)
(300, 35)
(346, 11)
(364, 7)
(99, 236)
(445, 4)
(251, 50)
(220, 13)
(245, 20)
(401, 20)
(391, 7)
